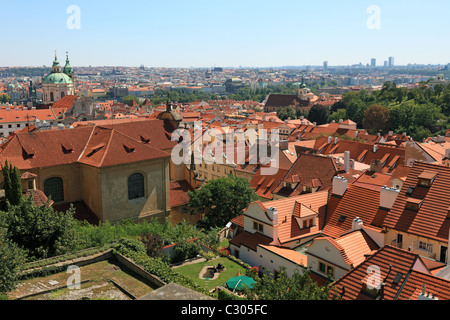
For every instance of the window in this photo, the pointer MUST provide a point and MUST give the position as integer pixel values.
(54, 188)
(136, 188)
(425, 246)
(322, 267)
(258, 226)
(330, 271)
(30, 184)
(326, 269)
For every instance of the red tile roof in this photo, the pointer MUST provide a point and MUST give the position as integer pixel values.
(92, 145)
(363, 152)
(349, 205)
(179, 193)
(402, 272)
(431, 219)
(308, 170)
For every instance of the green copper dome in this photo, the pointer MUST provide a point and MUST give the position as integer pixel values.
(55, 63)
(55, 78)
(303, 85)
(68, 68)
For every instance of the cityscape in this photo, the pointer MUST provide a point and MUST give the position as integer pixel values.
(213, 162)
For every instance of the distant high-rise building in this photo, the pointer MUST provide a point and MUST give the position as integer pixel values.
(325, 65)
(385, 63)
(373, 62)
(391, 61)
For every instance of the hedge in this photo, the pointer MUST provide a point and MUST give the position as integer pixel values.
(135, 251)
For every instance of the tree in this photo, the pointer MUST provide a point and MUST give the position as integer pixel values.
(338, 115)
(221, 200)
(12, 183)
(128, 100)
(299, 286)
(319, 114)
(40, 231)
(376, 118)
(153, 244)
(285, 113)
(12, 260)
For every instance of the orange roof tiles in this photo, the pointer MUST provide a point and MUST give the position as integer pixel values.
(93, 145)
(431, 219)
(402, 272)
(349, 205)
(179, 193)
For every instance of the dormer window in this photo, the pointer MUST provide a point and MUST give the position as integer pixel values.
(129, 148)
(426, 178)
(413, 204)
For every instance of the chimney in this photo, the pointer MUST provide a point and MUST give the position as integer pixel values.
(347, 161)
(330, 139)
(387, 197)
(424, 295)
(336, 140)
(339, 185)
(357, 224)
(273, 215)
(375, 165)
(447, 153)
(284, 145)
(375, 148)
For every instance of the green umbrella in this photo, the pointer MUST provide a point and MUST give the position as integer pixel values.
(237, 283)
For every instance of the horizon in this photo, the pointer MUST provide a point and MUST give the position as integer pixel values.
(201, 34)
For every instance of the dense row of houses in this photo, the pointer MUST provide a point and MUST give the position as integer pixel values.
(339, 197)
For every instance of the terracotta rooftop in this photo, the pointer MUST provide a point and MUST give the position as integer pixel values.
(342, 210)
(431, 219)
(92, 145)
(403, 273)
(179, 193)
(310, 171)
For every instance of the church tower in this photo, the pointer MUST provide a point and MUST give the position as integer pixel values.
(68, 70)
(57, 83)
(303, 91)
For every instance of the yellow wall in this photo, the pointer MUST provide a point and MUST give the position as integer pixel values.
(71, 179)
(408, 241)
(114, 186)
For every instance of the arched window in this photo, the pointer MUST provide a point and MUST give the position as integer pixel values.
(54, 188)
(52, 97)
(62, 95)
(136, 188)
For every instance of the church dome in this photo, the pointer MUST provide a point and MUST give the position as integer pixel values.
(56, 78)
(68, 68)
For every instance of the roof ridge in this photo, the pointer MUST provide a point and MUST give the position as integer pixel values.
(87, 142)
(107, 146)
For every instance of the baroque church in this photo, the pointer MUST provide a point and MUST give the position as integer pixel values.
(58, 83)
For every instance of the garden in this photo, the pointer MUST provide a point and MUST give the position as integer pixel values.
(196, 272)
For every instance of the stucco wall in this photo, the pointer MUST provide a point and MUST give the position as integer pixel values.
(114, 190)
(71, 179)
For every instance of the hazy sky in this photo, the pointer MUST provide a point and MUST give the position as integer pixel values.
(206, 33)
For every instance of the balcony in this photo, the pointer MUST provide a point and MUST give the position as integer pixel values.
(397, 244)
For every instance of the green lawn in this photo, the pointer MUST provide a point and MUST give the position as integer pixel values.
(193, 271)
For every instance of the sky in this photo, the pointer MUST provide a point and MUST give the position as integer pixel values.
(224, 33)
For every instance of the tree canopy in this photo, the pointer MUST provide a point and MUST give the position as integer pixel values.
(299, 286)
(220, 200)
